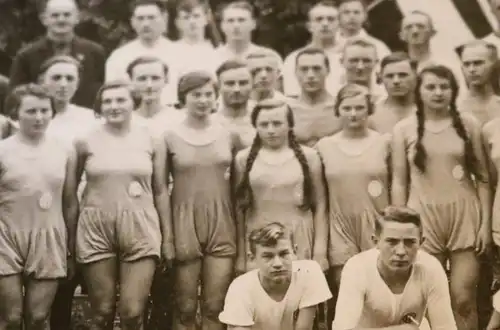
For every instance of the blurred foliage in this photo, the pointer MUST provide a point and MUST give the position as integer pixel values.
(280, 22)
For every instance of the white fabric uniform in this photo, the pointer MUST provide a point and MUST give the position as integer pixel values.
(366, 301)
(248, 305)
(164, 49)
(73, 123)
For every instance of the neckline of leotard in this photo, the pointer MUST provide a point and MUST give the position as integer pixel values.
(363, 151)
(216, 135)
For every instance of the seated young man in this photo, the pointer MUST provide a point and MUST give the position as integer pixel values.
(282, 293)
(394, 285)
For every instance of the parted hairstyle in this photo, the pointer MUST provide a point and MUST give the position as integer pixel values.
(50, 62)
(268, 236)
(229, 65)
(138, 3)
(400, 214)
(16, 96)
(353, 90)
(211, 31)
(191, 81)
(312, 51)
(112, 85)
(420, 158)
(361, 43)
(244, 195)
(239, 4)
(146, 60)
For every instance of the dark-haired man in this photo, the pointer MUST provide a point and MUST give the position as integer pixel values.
(394, 285)
(282, 293)
(60, 18)
(235, 87)
(149, 21)
(398, 75)
(479, 59)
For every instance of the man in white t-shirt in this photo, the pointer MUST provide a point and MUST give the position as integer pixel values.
(237, 24)
(149, 21)
(282, 293)
(395, 285)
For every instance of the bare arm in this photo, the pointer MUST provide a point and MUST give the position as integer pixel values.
(483, 186)
(162, 198)
(238, 169)
(320, 214)
(74, 170)
(305, 319)
(399, 167)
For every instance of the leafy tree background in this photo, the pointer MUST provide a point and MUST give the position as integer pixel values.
(281, 23)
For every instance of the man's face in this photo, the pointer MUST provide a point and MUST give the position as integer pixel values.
(311, 72)
(237, 24)
(477, 65)
(323, 22)
(148, 80)
(264, 71)
(149, 22)
(398, 244)
(359, 62)
(275, 263)
(60, 16)
(235, 86)
(399, 78)
(416, 29)
(352, 15)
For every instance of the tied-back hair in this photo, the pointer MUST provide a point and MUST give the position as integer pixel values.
(420, 158)
(244, 195)
(114, 85)
(353, 90)
(50, 62)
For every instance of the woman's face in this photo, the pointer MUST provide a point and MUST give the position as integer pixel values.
(354, 111)
(435, 92)
(201, 101)
(61, 79)
(149, 80)
(117, 105)
(192, 22)
(272, 127)
(34, 115)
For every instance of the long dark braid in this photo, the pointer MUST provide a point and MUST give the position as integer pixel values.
(471, 162)
(244, 195)
(307, 185)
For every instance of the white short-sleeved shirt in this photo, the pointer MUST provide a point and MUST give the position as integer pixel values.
(73, 123)
(164, 49)
(248, 305)
(366, 301)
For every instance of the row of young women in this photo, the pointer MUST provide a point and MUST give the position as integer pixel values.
(126, 221)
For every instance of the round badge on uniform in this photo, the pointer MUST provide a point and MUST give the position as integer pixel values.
(45, 201)
(458, 172)
(135, 189)
(375, 188)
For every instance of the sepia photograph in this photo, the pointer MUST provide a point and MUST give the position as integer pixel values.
(249, 164)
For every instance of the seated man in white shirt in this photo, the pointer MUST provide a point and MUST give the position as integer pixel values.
(282, 293)
(394, 285)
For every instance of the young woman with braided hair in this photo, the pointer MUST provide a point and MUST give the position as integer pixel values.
(356, 162)
(276, 178)
(439, 169)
